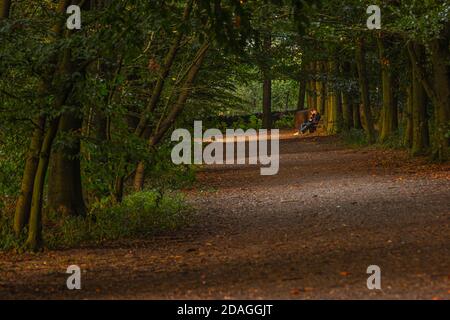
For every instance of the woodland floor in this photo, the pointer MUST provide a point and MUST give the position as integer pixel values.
(309, 232)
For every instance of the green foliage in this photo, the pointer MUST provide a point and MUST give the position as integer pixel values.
(8, 240)
(140, 215)
(447, 135)
(357, 138)
(354, 138)
(12, 159)
(163, 175)
(394, 141)
(253, 123)
(284, 95)
(286, 122)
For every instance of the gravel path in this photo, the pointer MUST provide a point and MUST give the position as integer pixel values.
(309, 232)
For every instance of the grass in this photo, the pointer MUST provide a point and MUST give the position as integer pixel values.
(140, 215)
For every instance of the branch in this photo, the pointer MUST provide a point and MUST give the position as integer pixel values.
(182, 98)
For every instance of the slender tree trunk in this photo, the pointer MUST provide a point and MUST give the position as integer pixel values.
(5, 7)
(309, 97)
(267, 103)
(323, 88)
(29, 206)
(333, 103)
(356, 116)
(319, 87)
(139, 177)
(23, 205)
(421, 141)
(389, 110)
(183, 96)
(395, 111)
(267, 87)
(35, 221)
(177, 108)
(440, 57)
(118, 189)
(301, 95)
(347, 111)
(34, 239)
(168, 62)
(364, 90)
(314, 86)
(408, 135)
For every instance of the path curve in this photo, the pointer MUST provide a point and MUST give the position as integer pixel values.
(309, 232)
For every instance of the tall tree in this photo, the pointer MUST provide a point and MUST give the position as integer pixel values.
(389, 109)
(364, 90)
(421, 141)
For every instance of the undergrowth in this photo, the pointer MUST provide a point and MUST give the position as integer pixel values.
(139, 215)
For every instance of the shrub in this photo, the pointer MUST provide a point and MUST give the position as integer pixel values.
(286, 122)
(139, 215)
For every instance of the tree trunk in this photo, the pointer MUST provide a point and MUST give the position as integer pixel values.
(309, 96)
(356, 116)
(175, 111)
(267, 103)
(168, 62)
(333, 103)
(347, 112)
(23, 205)
(29, 206)
(139, 177)
(364, 90)
(314, 86)
(118, 189)
(323, 88)
(419, 108)
(34, 239)
(5, 7)
(440, 57)
(389, 110)
(301, 95)
(267, 87)
(65, 195)
(408, 135)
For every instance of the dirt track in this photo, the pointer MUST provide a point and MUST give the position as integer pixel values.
(309, 232)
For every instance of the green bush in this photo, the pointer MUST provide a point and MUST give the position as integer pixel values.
(286, 122)
(139, 215)
(8, 239)
(12, 160)
(254, 123)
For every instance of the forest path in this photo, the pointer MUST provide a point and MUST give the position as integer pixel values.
(309, 232)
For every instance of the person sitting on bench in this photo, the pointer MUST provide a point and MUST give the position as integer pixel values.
(312, 123)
